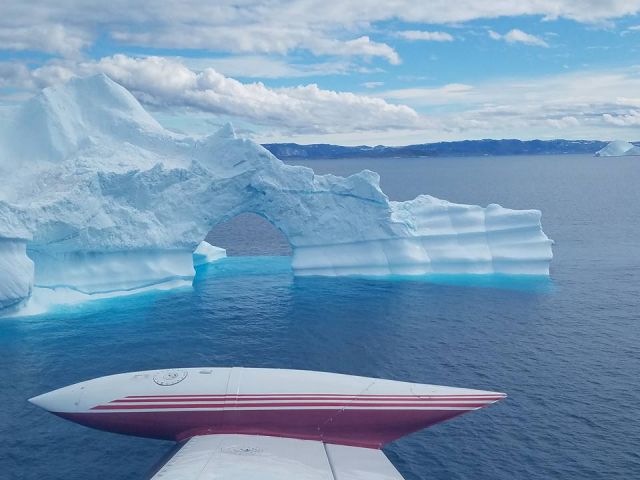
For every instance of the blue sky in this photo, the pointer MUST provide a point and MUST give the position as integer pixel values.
(349, 72)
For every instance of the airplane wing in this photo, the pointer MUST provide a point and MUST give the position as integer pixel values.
(250, 457)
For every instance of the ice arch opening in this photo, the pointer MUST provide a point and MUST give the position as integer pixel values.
(249, 234)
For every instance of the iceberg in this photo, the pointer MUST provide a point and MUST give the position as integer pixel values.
(207, 253)
(98, 198)
(618, 148)
(16, 273)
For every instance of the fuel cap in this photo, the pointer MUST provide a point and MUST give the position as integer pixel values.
(167, 378)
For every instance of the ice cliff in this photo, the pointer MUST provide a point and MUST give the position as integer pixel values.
(618, 148)
(98, 198)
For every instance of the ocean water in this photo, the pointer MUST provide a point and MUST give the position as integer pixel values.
(567, 351)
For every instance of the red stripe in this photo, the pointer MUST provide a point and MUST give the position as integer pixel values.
(236, 399)
(326, 394)
(262, 405)
(320, 395)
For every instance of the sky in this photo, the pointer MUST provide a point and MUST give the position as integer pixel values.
(349, 72)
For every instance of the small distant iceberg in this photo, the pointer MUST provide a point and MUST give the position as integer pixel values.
(618, 148)
(207, 253)
(104, 201)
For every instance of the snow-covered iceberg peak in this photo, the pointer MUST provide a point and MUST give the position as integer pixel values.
(103, 199)
(58, 122)
(618, 148)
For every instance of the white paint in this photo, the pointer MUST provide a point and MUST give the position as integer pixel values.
(353, 463)
(236, 381)
(244, 457)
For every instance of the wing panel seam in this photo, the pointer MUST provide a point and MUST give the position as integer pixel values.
(333, 470)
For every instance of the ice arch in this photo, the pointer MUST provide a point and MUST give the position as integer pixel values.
(102, 199)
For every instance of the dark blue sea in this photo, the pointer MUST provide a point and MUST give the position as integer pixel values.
(567, 350)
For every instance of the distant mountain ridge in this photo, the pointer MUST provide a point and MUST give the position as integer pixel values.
(440, 149)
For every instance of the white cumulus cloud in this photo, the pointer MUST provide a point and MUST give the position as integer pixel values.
(425, 35)
(362, 46)
(518, 36)
(578, 104)
(322, 27)
(168, 84)
(51, 38)
(631, 119)
(372, 84)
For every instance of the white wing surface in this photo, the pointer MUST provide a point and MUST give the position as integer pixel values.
(249, 457)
